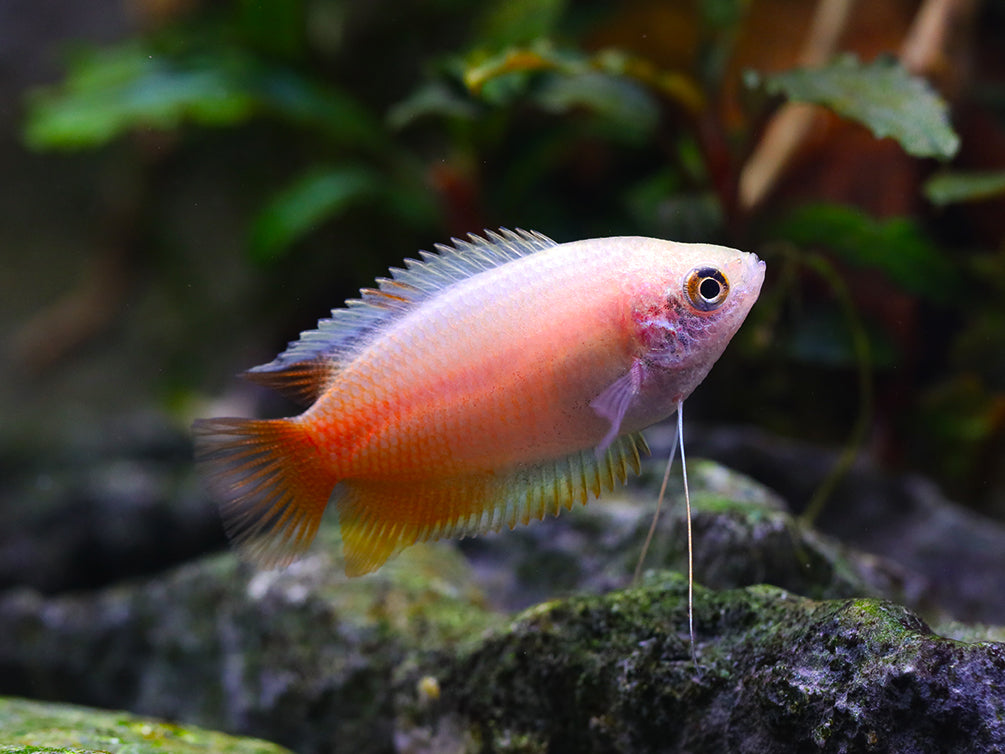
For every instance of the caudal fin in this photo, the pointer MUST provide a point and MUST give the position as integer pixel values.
(270, 481)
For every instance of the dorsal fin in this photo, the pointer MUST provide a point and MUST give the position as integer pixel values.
(380, 518)
(305, 369)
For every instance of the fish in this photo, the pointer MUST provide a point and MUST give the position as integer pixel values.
(495, 381)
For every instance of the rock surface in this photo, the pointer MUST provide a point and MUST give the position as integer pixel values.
(742, 536)
(776, 673)
(102, 511)
(303, 657)
(39, 728)
(421, 656)
(903, 518)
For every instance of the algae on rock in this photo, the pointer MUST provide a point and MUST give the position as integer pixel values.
(417, 658)
(743, 535)
(777, 673)
(302, 656)
(27, 726)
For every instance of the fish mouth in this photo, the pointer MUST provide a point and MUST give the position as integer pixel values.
(749, 270)
(750, 273)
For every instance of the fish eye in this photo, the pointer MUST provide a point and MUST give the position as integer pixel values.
(706, 288)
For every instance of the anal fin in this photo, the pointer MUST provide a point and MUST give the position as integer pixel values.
(380, 518)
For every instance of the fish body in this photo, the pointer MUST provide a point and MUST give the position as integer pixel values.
(488, 385)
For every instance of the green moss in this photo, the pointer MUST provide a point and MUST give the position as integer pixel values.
(29, 726)
(614, 673)
(221, 644)
(411, 658)
(720, 504)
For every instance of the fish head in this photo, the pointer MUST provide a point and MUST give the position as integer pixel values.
(692, 302)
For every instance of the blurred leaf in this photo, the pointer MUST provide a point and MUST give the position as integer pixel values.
(896, 247)
(482, 69)
(677, 86)
(880, 95)
(611, 83)
(980, 343)
(950, 187)
(304, 205)
(611, 97)
(646, 197)
(514, 22)
(289, 95)
(111, 92)
(431, 98)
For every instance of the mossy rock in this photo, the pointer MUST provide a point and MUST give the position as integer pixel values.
(775, 673)
(743, 535)
(28, 727)
(304, 656)
(422, 657)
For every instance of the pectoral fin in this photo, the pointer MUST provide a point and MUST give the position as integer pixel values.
(613, 403)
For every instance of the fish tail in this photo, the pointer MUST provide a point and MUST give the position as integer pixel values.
(271, 482)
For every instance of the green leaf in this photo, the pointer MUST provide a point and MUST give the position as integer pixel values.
(950, 187)
(433, 98)
(502, 77)
(288, 95)
(483, 70)
(613, 98)
(620, 89)
(109, 93)
(896, 247)
(880, 95)
(304, 205)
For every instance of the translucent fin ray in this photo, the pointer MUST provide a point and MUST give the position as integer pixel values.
(272, 487)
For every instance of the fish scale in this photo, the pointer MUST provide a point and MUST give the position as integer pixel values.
(485, 385)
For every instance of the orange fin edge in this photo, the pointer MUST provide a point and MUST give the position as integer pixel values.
(270, 481)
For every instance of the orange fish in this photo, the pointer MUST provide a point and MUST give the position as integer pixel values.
(493, 383)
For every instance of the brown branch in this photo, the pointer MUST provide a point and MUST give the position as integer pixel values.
(788, 129)
(936, 47)
(937, 44)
